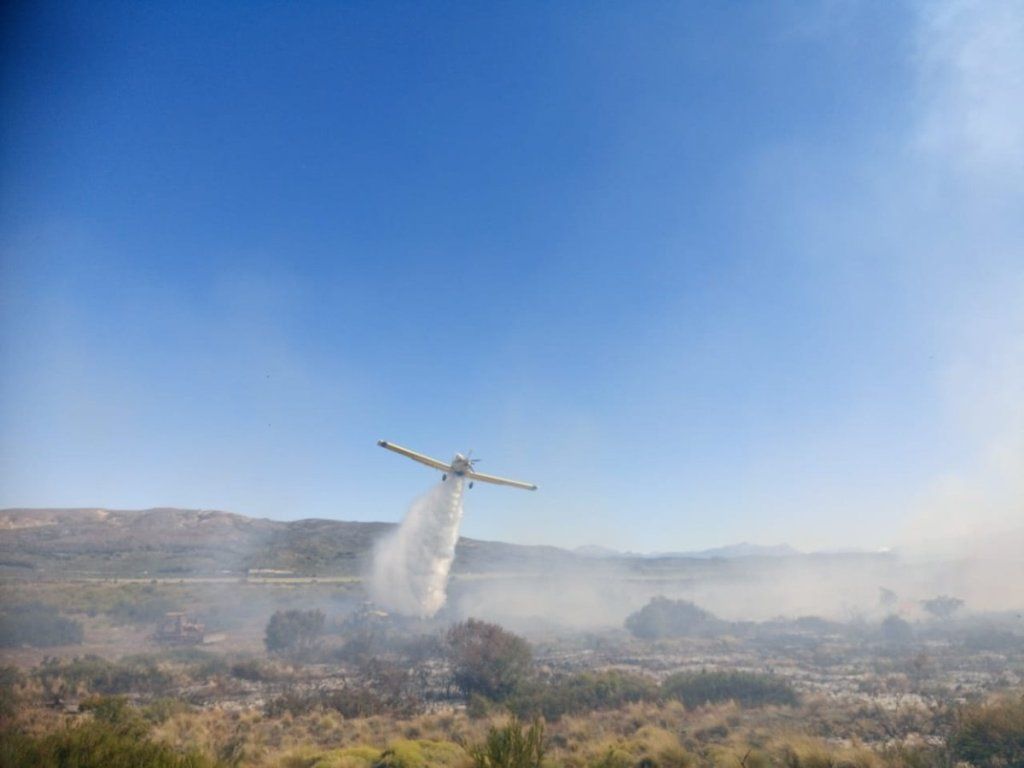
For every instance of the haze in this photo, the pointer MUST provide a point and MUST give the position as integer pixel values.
(705, 275)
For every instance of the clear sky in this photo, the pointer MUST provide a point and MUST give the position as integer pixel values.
(705, 272)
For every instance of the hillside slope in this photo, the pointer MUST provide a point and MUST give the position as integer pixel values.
(168, 543)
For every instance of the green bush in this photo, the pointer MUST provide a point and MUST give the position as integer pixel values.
(293, 630)
(196, 663)
(162, 709)
(748, 689)
(584, 692)
(422, 752)
(991, 734)
(116, 712)
(97, 675)
(38, 625)
(93, 744)
(512, 746)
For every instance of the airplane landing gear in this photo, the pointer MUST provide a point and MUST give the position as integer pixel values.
(444, 477)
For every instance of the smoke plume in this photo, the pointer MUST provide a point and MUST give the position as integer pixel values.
(410, 565)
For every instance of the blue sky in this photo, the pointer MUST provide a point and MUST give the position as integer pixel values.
(704, 272)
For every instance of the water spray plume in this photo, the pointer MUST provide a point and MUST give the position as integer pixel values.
(411, 564)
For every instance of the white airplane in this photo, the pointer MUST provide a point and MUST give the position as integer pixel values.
(460, 466)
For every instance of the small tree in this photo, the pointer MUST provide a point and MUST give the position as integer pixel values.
(294, 630)
(943, 606)
(887, 598)
(486, 659)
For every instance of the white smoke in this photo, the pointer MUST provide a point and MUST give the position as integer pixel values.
(410, 565)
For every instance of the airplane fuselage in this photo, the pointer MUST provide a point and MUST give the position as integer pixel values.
(461, 465)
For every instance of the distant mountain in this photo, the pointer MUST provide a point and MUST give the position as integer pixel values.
(596, 550)
(744, 549)
(731, 551)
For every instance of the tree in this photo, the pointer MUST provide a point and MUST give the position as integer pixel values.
(487, 659)
(293, 630)
(943, 606)
(887, 598)
(662, 617)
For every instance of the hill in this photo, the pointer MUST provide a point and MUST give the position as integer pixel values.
(168, 543)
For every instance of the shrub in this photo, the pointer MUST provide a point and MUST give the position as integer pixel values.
(348, 757)
(584, 692)
(512, 746)
(662, 617)
(10, 679)
(424, 752)
(116, 712)
(252, 670)
(745, 688)
(37, 624)
(991, 734)
(98, 675)
(943, 606)
(293, 630)
(487, 659)
(349, 702)
(163, 709)
(93, 744)
(196, 663)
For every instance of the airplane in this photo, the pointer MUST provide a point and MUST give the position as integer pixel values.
(460, 466)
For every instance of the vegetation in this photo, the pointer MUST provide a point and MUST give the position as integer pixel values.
(386, 690)
(141, 605)
(382, 692)
(294, 630)
(487, 660)
(991, 734)
(943, 606)
(585, 692)
(896, 631)
(10, 679)
(98, 743)
(96, 675)
(37, 624)
(662, 617)
(748, 689)
(511, 746)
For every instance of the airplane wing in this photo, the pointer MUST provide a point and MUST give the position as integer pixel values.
(500, 481)
(422, 459)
